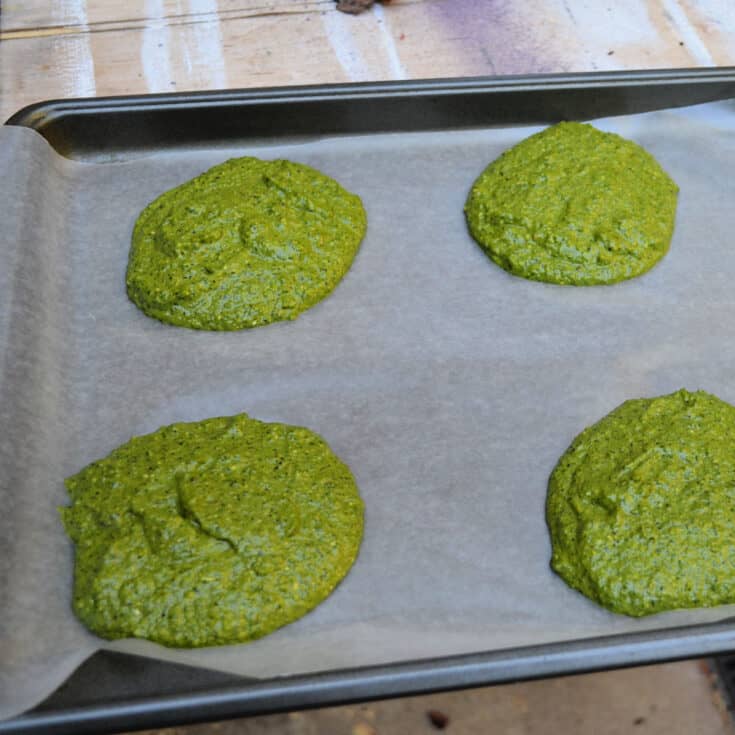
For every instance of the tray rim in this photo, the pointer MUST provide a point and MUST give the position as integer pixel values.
(28, 115)
(39, 115)
(342, 686)
(386, 681)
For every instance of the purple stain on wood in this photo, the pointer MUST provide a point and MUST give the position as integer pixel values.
(497, 35)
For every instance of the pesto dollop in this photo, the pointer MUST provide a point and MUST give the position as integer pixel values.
(212, 532)
(246, 243)
(573, 205)
(641, 507)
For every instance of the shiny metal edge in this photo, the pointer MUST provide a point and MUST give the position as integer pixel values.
(109, 128)
(382, 682)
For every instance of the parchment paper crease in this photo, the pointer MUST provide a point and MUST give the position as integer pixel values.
(448, 386)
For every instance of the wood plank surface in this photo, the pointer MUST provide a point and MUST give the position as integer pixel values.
(63, 48)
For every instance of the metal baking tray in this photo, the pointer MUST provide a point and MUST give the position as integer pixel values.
(112, 691)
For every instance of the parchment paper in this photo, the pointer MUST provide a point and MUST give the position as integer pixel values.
(448, 386)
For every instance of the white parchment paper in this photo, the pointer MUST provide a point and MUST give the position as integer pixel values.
(448, 386)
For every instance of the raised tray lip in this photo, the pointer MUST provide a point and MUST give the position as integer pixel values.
(39, 114)
(344, 686)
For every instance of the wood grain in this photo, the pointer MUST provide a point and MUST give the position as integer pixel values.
(64, 48)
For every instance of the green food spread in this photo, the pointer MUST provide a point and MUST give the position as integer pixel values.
(641, 507)
(573, 205)
(247, 243)
(212, 532)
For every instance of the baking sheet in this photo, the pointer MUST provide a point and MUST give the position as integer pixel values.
(448, 386)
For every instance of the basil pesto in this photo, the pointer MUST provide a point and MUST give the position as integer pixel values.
(247, 243)
(573, 205)
(212, 532)
(641, 507)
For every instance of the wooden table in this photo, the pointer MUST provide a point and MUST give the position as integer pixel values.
(68, 48)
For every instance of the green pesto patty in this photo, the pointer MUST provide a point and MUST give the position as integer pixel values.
(247, 243)
(641, 507)
(573, 205)
(212, 532)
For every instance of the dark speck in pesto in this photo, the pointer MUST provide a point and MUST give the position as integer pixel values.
(573, 205)
(641, 507)
(212, 532)
(246, 243)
